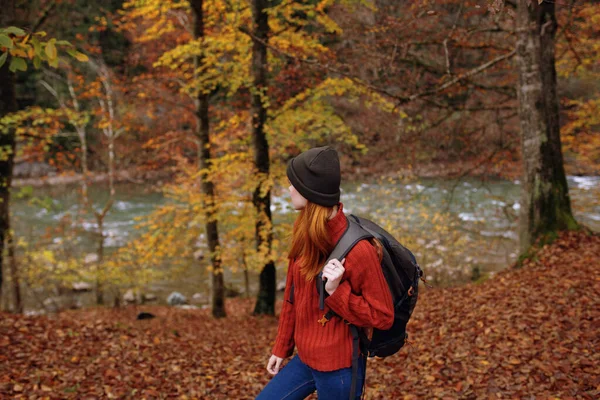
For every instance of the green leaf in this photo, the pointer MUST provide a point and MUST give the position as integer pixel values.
(64, 43)
(51, 49)
(17, 64)
(72, 52)
(37, 62)
(3, 59)
(37, 47)
(15, 31)
(5, 41)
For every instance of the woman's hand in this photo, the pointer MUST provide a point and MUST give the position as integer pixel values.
(333, 271)
(274, 364)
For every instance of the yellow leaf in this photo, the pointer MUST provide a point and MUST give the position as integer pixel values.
(51, 50)
(81, 57)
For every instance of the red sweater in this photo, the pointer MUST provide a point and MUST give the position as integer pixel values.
(362, 298)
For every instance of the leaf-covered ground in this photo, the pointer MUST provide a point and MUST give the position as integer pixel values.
(527, 333)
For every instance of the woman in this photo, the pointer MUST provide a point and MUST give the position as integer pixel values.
(357, 289)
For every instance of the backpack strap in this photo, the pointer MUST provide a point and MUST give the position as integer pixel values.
(354, 233)
(355, 355)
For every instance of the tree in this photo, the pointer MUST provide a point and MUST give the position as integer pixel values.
(545, 204)
(18, 47)
(8, 105)
(193, 57)
(297, 100)
(104, 112)
(204, 158)
(109, 124)
(261, 198)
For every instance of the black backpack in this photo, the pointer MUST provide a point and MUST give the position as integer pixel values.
(402, 273)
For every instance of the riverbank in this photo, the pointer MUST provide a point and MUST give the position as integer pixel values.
(530, 332)
(366, 171)
(352, 174)
(131, 175)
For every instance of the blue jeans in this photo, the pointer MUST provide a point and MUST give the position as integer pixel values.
(297, 381)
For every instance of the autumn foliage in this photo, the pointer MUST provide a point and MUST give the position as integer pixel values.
(401, 88)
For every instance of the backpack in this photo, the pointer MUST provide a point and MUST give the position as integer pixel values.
(402, 273)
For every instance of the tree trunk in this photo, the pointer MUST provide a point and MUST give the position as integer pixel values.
(545, 205)
(14, 274)
(265, 302)
(203, 134)
(246, 272)
(99, 262)
(8, 104)
(107, 106)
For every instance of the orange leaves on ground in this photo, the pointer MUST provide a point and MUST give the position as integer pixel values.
(527, 332)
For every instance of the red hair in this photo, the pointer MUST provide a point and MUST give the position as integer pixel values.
(311, 242)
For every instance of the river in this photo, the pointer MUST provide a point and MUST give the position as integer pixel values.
(460, 229)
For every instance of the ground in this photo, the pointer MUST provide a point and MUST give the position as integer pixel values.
(532, 332)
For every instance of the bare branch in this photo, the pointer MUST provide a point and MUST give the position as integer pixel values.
(52, 92)
(450, 36)
(183, 20)
(459, 78)
(399, 98)
(44, 15)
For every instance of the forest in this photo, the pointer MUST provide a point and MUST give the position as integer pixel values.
(144, 147)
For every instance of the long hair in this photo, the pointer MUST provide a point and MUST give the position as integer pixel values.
(311, 242)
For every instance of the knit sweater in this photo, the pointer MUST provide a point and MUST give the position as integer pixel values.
(362, 298)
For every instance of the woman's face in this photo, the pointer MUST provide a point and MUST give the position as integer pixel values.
(298, 201)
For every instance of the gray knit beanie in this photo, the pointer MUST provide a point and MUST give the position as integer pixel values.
(315, 174)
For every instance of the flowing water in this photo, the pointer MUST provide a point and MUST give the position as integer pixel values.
(459, 230)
